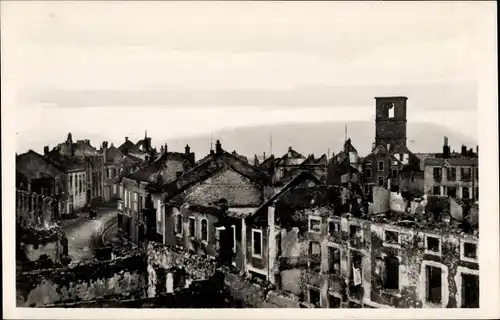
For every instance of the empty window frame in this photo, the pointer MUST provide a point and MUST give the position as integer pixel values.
(204, 230)
(314, 224)
(380, 165)
(256, 243)
(334, 260)
(315, 255)
(468, 251)
(432, 245)
(178, 224)
(433, 284)
(191, 226)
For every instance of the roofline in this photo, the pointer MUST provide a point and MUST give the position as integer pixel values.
(392, 97)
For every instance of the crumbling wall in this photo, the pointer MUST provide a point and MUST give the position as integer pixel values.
(380, 200)
(88, 280)
(163, 260)
(413, 260)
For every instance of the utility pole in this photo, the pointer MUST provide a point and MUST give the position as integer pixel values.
(271, 143)
(345, 136)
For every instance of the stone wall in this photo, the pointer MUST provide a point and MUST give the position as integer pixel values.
(169, 268)
(123, 278)
(185, 269)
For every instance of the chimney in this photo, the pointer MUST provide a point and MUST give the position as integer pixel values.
(162, 149)
(477, 150)
(187, 149)
(46, 150)
(126, 139)
(264, 157)
(446, 148)
(218, 147)
(464, 150)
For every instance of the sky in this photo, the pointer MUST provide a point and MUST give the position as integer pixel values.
(114, 69)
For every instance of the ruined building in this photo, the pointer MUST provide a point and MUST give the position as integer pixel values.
(134, 189)
(83, 186)
(390, 162)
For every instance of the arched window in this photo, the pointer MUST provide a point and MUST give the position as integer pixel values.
(178, 224)
(204, 230)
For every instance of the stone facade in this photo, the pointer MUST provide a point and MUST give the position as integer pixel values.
(349, 262)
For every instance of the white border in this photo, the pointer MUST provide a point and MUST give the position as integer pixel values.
(486, 72)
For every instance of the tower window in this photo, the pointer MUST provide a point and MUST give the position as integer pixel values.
(391, 108)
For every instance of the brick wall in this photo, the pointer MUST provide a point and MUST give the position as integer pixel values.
(226, 184)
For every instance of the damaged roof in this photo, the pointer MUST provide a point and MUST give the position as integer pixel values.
(297, 180)
(152, 171)
(114, 155)
(34, 166)
(208, 167)
(65, 163)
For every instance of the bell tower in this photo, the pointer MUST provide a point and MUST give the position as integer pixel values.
(390, 121)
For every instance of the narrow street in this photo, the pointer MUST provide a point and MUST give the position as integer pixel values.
(85, 235)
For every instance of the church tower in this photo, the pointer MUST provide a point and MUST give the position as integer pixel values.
(390, 122)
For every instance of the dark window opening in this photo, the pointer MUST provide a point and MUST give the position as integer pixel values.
(333, 227)
(334, 302)
(380, 166)
(257, 243)
(470, 250)
(380, 181)
(368, 173)
(465, 173)
(477, 193)
(436, 190)
(470, 291)
(315, 256)
(452, 192)
(178, 224)
(434, 284)
(391, 237)
(436, 173)
(433, 244)
(392, 273)
(334, 260)
(314, 297)
(191, 227)
(451, 174)
(394, 173)
(465, 193)
(204, 230)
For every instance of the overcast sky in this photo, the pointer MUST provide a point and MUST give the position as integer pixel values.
(180, 68)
